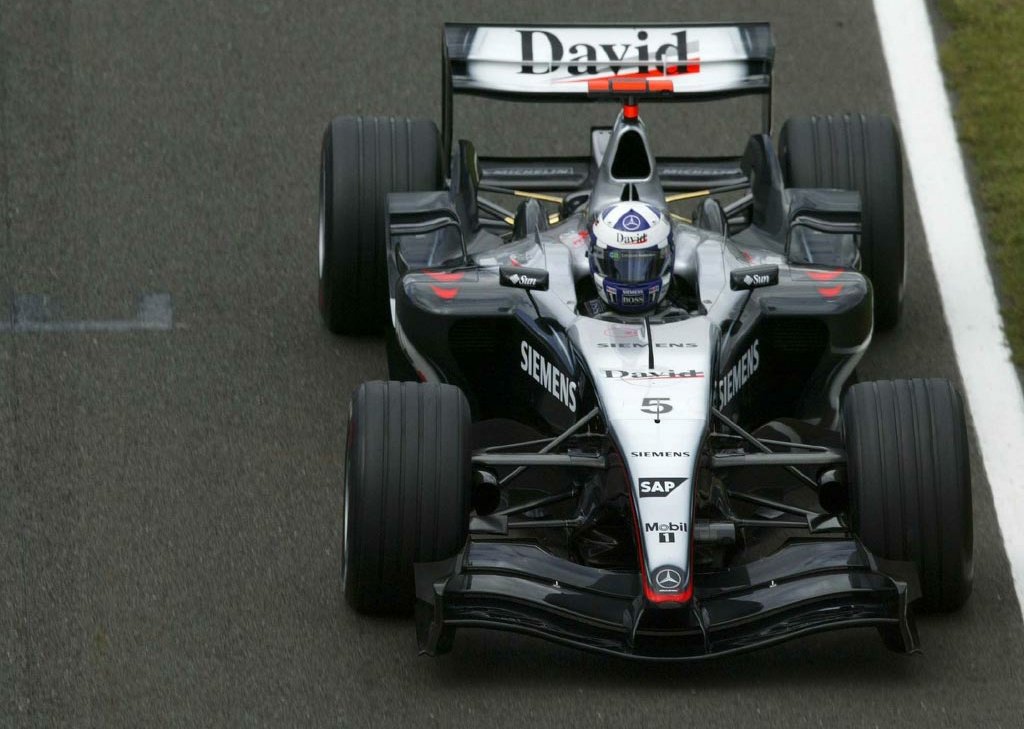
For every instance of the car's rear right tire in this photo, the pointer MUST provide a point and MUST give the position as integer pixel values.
(407, 489)
(362, 159)
(910, 482)
(857, 152)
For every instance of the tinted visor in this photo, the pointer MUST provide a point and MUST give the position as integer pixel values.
(631, 266)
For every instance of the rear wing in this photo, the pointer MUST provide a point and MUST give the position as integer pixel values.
(667, 62)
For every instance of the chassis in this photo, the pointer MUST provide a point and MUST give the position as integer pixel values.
(673, 486)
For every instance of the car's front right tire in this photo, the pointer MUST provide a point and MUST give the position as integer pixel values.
(910, 482)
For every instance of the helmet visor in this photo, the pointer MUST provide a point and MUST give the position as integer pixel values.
(631, 266)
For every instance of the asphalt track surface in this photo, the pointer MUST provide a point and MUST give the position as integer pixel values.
(170, 501)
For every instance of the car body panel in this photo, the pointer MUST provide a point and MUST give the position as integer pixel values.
(547, 358)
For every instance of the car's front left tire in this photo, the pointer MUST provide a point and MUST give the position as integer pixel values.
(407, 489)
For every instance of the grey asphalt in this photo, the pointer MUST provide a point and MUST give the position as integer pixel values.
(170, 500)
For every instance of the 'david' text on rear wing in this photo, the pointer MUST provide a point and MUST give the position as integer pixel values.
(670, 62)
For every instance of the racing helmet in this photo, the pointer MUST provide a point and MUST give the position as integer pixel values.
(631, 256)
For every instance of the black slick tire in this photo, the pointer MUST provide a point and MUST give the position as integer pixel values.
(857, 152)
(362, 160)
(407, 489)
(910, 482)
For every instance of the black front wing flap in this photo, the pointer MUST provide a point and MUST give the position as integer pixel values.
(807, 586)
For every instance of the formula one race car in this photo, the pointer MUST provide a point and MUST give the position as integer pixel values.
(619, 428)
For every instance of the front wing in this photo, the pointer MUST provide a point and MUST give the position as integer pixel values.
(808, 586)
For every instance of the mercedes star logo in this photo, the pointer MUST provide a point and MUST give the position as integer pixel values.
(668, 579)
(631, 222)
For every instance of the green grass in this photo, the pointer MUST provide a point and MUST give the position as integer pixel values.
(983, 60)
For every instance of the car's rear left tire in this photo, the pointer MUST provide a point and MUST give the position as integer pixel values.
(407, 489)
(362, 159)
(857, 152)
(910, 482)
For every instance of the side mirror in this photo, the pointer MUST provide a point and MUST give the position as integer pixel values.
(517, 277)
(753, 277)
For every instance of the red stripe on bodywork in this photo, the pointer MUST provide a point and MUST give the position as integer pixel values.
(446, 294)
(830, 293)
(660, 597)
(445, 277)
(824, 275)
(692, 66)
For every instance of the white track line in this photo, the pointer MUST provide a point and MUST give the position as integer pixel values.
(958, 256)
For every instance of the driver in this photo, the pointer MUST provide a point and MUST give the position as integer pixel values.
(631, 256)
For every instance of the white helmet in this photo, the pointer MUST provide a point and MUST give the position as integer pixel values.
(631, 255)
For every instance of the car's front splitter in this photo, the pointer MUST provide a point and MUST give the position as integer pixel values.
(807, 586)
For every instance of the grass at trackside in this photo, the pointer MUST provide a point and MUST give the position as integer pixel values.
(983, 60)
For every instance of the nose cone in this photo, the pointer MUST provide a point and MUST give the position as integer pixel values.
(657, 417)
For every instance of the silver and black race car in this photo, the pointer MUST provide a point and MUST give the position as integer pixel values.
(675, 477)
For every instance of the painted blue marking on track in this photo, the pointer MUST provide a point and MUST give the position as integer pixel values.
(39, 313)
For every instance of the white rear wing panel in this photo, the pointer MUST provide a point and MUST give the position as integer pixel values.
(569, 62)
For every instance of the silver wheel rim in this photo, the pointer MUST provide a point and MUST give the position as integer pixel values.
(320, 236)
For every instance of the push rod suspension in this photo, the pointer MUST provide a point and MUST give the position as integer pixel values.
(575, 428)
(738, 460)
(539, 459)
(800, 475)
(771, 504)
(535, 504)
